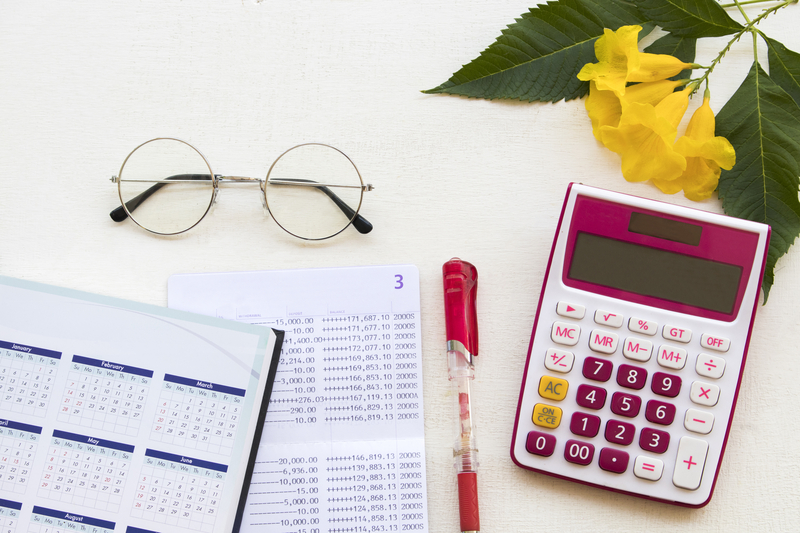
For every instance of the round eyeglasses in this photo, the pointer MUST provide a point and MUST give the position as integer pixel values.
(313, 191)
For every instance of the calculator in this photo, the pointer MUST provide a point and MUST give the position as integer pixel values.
(638, 346)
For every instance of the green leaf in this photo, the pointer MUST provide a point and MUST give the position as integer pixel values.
(538, 57)
(762, 122)
(784, 68)
(689, 18)
(681, 47)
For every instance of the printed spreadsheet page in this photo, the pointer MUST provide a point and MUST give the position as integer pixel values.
(343, 446)
(118, 416)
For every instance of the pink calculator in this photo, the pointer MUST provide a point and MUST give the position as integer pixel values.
(639, 345)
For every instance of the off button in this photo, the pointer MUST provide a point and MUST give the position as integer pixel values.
(546, 416)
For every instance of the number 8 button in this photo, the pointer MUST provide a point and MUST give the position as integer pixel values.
(631, 377)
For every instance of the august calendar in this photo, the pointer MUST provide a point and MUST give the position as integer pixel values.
(119, 416)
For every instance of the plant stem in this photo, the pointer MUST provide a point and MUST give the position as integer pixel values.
(741, 10)
(746, 3)
(749, 27)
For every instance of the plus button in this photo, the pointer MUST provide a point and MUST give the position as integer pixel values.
(689, 463)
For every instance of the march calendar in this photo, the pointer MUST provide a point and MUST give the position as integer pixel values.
(122, 417)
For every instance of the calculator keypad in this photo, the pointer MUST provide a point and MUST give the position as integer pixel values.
(640, 394)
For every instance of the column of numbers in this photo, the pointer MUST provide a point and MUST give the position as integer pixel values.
(18, 443)
(26, 381)
(9, 516)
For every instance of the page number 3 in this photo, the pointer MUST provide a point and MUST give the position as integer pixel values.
(398, 279)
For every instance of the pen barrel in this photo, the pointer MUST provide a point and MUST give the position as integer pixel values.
(468, 502)
(465, 453)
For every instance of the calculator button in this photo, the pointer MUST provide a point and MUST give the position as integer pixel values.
(546, 416)
(659, 412)
(654, 440)
(625, 404)
(620, 432)
(603, 342)
(671, 357)
(631, 377)
(675, 333)
(648, 468)
(539, 443)
(607, 318)
(637, 349)
(580, 453)
(553, 388)
(698, 421)
(638, 325)
(597, 369)
(712, 342)
(704, 393)
(666, 384)
(612, 460)
(689, 463)
(570, 310)
(710, 366)
(584, 424)
(559, 360)
(567, 334)
(591, 397)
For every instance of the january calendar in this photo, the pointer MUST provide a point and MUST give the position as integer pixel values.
(122, 417)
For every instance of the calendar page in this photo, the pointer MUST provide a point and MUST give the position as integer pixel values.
(344, 446)
(118, 416)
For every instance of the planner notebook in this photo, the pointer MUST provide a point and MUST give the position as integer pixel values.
(344, 446)
(120, 416)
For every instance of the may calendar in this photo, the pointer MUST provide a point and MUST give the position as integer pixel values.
(122, 417)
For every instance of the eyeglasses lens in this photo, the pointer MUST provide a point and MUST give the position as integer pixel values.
(317, 211)
(175, 180)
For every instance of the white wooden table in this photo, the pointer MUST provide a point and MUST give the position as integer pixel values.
(83, 82)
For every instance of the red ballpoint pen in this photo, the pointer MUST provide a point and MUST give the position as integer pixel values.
(460, 289)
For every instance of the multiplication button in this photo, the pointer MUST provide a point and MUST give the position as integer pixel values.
(704, 393)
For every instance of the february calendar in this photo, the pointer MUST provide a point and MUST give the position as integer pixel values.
(122, 417)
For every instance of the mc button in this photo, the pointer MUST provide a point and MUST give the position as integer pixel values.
(553, 388)
(546, 416)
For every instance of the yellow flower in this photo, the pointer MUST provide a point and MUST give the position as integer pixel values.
(605, 108)
(645, 136)
(704, 154)
(621, 62)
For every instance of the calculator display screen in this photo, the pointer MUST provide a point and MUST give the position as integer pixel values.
(654, 272)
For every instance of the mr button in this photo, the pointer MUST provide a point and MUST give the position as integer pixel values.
(553, 388)
(546, 416)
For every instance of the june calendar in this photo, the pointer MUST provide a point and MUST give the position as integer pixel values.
(118, 416)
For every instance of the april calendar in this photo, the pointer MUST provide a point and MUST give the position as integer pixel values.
(117, 416)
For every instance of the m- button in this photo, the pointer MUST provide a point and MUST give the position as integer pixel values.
(567, 334)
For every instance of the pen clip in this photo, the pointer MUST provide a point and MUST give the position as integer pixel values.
(460, 293)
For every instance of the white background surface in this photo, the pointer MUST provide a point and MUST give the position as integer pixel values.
(83, 82)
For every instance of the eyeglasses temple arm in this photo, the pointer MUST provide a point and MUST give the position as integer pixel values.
(119, 214)
(361, 224)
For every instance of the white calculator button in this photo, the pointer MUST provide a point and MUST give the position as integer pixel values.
(607, 318)
(603, 341)
(648, 468)
(559, 360)
(712, 342)
(710, 366)
(637, 349)
(704, 393)
(675, 333)
(689, 463)
(671, 357)
(638, 325)
(698, 421)
(570, 310)
(567, 334)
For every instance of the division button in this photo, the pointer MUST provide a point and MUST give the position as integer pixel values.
(648, 468)
(704, 393)
(710, 366)
(539, 443)
(675, 333)
(612, 460)
(712, 342)
(698, 421)
(638, 325)
(570, 310)
(567, 334)
(603, 342)
(607, 318)
(689, 463)
(559, 360)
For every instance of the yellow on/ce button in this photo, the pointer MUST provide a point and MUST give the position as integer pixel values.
(553, 388)
(546, 416)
